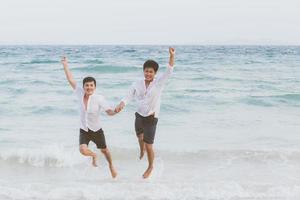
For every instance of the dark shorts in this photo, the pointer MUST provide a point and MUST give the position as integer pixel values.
(97, 137)
(146, 125)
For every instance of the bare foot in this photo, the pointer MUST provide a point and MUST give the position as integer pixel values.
(94, 163)
(142, 154)
(113, 172)
(147, 172)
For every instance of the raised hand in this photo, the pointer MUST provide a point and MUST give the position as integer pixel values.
(68, 73)
(172, 55)
(172, 51)
(64, 61)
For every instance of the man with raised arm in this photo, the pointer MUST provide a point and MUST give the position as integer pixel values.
(147, 93)
(90, 106)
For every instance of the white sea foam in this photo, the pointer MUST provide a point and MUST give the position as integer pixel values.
(141, 190)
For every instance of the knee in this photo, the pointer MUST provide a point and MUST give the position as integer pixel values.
(104, 150)
(140, 136)
(148, 146)
(82, 150)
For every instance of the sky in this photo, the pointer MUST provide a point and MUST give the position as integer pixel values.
(190, 22)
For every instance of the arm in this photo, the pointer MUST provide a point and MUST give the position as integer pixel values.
(172, 56)
(68, 73)
(104, 105)
(163, 78)
(120, 107)
(126, 100)
(110, 112)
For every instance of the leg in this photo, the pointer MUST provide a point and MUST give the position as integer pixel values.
(99, 139)
(149, 135)
(150, 156)
(138, 125)
(84, 150)
(109, 160)
(142, 144)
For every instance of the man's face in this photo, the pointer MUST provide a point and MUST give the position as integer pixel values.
(89, 87)
(149, 74)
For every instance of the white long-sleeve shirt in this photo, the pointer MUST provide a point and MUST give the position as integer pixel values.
(90, 117)
(148, 99)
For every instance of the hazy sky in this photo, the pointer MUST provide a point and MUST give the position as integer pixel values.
(150, 22)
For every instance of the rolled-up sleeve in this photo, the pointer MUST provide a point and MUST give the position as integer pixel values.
(78, 91)
(104, 105)
(130, 95)
(164, 77)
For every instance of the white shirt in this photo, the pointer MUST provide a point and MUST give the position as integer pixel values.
(90, 118)
(148, 99)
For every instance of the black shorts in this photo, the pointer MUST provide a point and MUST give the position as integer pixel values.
(146, 125)
(97, 137)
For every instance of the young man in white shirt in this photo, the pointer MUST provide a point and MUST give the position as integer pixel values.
(90, 106)
(147, 92)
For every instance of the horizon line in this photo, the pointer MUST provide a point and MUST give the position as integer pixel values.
(124, 44)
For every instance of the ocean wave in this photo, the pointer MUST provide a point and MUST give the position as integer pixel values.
(94, 61)
(129, 51)
(273, 100)
(197, 91)
(48, 156)
(291, 96)
(105, 69)
(40, 110)
(18, 91)
(61, 156)
(39, 82)
(257, 102)
(7, 81)
(38, 61)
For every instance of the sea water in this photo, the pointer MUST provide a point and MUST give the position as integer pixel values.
(229, 126)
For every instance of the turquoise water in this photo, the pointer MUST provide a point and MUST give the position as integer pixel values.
(230, 116)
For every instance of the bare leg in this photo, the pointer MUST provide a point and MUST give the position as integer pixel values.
(142, 145)
(84, 150)
(109, 160)
(150, 156)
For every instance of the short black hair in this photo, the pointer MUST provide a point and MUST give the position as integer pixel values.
(151, 64)
(89, 79)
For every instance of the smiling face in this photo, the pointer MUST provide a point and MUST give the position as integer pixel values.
(149, 74)
(89, 87)
(150, 68)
